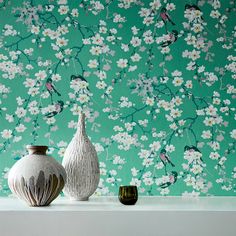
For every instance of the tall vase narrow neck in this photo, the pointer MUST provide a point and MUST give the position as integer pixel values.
(37, 150)
(81, 125)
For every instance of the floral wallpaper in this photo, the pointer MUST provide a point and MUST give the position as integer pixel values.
(156, 80)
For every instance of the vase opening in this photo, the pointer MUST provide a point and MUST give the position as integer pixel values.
(81, 124)
(35, 149)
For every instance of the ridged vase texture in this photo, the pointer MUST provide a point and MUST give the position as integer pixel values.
(37, 178)
(81, 164)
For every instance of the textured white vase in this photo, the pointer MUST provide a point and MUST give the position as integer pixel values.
(37, 178)
(81, 164)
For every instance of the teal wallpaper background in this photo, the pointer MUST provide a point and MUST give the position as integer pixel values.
(156, 80)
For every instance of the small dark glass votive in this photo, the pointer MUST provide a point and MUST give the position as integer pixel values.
(128, 195)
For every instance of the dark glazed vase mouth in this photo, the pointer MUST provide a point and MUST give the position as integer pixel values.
(37, 149)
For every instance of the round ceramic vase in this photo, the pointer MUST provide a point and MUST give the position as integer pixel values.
(37, 178)
(81, 164)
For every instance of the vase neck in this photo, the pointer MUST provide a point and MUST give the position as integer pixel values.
(38, 150)
(81, 124)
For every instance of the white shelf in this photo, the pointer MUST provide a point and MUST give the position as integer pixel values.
(106, 216)
(113, 204)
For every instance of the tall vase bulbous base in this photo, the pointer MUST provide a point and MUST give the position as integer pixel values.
(83, 199)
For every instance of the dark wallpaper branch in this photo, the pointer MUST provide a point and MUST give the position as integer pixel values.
(156, 80)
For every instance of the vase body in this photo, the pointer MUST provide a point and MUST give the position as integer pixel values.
(81, 164)
(37, 178)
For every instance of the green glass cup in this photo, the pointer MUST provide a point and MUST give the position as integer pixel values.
(128, 195)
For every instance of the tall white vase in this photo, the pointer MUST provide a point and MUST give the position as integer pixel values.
(81, 164)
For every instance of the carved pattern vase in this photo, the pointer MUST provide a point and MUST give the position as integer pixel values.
(37, 178)
(81, 164)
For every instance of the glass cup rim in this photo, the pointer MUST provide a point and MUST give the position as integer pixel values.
(128, 186)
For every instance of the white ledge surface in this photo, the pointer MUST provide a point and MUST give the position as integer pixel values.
(113, 204)
(106, 216)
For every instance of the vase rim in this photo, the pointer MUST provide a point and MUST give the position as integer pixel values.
(37, 149)
(36, 146)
